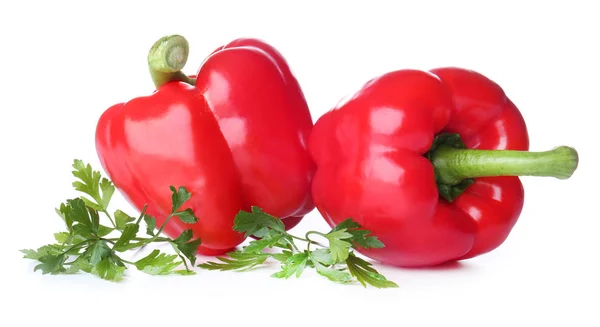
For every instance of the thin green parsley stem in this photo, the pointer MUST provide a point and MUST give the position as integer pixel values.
(142, 214)
(109, 218)
(184, 262)
(78, 245)
(161, 228)
(315, 242)
(293, 245)
(125, 261)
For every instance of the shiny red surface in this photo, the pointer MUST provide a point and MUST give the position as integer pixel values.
(237, 139)
(266, 122)
(369, 153)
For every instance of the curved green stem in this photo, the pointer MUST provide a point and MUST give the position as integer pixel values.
(166, 58)
(307, 237)
(454, 165)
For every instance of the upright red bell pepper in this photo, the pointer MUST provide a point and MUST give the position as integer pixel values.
(235, 135)
(428, 162)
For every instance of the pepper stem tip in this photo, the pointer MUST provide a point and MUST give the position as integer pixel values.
(169, 54)
(565, 160)
(166, 59)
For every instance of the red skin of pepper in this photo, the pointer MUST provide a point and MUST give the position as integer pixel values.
(370, 165)
(235, 140)
(266, 121)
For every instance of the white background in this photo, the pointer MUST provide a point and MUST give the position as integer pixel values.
(63, 64)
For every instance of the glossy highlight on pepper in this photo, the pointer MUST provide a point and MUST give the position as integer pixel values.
(403, 157)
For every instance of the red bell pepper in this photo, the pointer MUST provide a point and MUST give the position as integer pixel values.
(428, 161)
(235, 135)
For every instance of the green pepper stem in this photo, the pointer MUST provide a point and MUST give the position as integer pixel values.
(454, 165)
(166, 59)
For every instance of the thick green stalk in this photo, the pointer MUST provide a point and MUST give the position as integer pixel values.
(454, 165)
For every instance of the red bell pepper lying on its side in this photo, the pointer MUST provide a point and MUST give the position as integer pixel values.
(234, 135)
(414, 157)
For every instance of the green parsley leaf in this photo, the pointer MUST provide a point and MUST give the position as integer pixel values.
(359, 236)
(345, 225)
(91, 183)
(95, 219)
(50, 249)
(89, 179)
(187, 216)
(51, 264)
(237, 260)
(340, 248)
(322, 256)
(81, 263)
(122, 219)
(361, 239)
(108, 190)
(184, 237)
(178, 197)
(91, 204)
(334, 275)
(110, 268)
(30, 254)
(129, 233)
(189, 249)
(183, 245)
(365, 274)
(257, 223)
(97, 251)
(82, 231)
(260, 245)
(61, 237)
(104, 230)
(283, 255)
(157, 263)
(71, 269)
(321, 260)
(150, 224)
(293, 265)
(77, 211)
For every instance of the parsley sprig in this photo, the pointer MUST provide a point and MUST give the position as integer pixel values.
(92, 247)
(336, 260)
